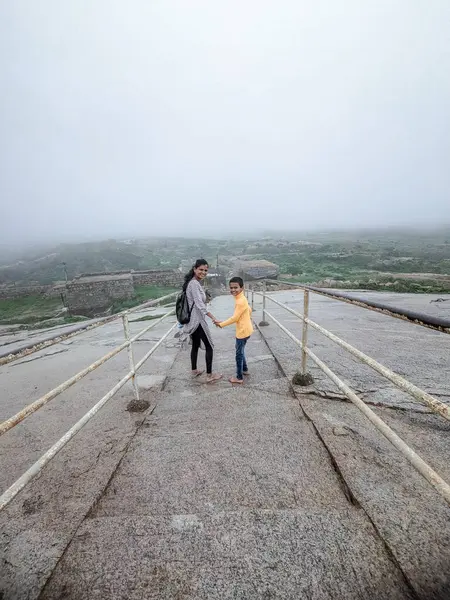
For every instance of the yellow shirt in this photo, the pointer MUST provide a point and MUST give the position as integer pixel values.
(241, 316)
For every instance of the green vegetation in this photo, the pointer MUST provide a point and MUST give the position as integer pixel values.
(37, 312)
(399, 261)
(28, 310)
(379, 259)
(411, 286)
(390, 284)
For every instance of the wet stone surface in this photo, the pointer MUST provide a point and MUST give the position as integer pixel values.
(224, 492)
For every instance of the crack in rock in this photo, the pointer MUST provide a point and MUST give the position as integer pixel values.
(51, 353)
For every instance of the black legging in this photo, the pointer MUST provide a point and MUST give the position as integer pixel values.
(200, 336)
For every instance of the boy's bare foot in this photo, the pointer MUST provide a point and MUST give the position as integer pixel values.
(197, 373)
(236, 380)
(213, 377)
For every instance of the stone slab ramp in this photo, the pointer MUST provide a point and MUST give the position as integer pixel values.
(412, 518)
(227, 493)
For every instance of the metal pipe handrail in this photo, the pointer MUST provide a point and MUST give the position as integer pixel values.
(433, 403)
(413, 458)
(26, 351)
(431, 322)
(43, 400)
(37, 467)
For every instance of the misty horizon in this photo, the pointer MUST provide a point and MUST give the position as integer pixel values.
(221, 119)
(16, 249)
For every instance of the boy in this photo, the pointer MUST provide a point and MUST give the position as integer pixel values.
(244, 328)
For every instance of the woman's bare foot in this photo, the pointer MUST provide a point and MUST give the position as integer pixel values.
(213, 377)
(197, 373)
(236, 380)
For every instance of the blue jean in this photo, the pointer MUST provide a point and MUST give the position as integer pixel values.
(241, 362)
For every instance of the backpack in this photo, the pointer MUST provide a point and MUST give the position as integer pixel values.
(182, 309)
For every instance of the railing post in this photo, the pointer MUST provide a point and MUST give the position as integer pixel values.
(264, 323)
(305, 329)
(304, 378)
(253, 299)
(126, 330)
(264, 303)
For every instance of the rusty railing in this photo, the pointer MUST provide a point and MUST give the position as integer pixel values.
(37, 467)
(432, 403)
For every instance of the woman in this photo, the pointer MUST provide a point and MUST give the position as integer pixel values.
(197, 327)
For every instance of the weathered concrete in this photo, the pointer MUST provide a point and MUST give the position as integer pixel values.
(39, 523)
(27, 379)
(226, 493)
(285, 554)
(434, 305)
(412, 518)
(18, 341)
(221, 492)
(417, 353)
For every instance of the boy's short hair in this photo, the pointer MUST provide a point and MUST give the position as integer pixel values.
(237, 280)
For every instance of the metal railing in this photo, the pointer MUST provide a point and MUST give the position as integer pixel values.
(22, 351)
(434, 404)
(37, 467)
(437, 323)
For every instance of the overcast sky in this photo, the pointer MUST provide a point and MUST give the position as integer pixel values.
(214, 116)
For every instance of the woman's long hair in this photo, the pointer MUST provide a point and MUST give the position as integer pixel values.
(187, 278)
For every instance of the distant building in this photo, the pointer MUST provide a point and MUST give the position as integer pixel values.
(256, 269)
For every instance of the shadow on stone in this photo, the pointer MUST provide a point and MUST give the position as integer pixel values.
(137, 405)
(31, 506)
(302, 379)
(264, 324)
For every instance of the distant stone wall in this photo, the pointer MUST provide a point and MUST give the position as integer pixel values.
(163, 277)
(167, 277)
(102, 274)
(56, 291)
(94, 295)
(11, 291)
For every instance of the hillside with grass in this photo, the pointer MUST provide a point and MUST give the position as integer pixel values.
(411, 256)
